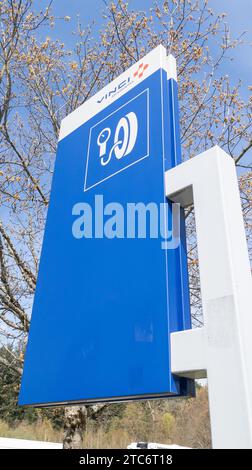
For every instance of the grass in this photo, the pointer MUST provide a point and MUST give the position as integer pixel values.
(40, 431)
(43, 431)
(184, 422)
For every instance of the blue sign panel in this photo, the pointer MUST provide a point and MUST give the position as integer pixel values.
(112, 281)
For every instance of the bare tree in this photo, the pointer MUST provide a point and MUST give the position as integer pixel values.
(41, 82)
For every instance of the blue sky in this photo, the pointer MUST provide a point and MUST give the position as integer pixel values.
(239, 11)
(239, 14)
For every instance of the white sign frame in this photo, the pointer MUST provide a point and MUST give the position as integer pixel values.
(222, 348)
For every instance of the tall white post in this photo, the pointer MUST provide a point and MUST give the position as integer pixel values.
(222, 349)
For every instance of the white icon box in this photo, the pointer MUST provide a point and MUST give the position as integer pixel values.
(118, 141)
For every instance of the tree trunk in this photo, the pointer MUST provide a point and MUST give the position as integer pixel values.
(74, 426)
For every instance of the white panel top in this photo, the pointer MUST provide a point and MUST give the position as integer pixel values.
(127, 80)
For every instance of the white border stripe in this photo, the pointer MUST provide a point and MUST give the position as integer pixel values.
(171, 67)
(155, 59)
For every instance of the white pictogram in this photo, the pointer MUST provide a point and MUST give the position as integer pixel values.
(124, 139)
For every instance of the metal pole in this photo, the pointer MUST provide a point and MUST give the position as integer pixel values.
(222, 349)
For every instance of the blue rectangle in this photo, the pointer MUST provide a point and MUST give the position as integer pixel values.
(103, 136)
(105, 307)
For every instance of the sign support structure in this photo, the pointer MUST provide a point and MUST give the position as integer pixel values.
(111, 315)
(222, 349)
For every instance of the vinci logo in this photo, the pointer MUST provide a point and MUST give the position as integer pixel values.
(140, 71)
(120, 86)
(118, 141)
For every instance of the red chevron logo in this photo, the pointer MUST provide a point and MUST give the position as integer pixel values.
(140, 71)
